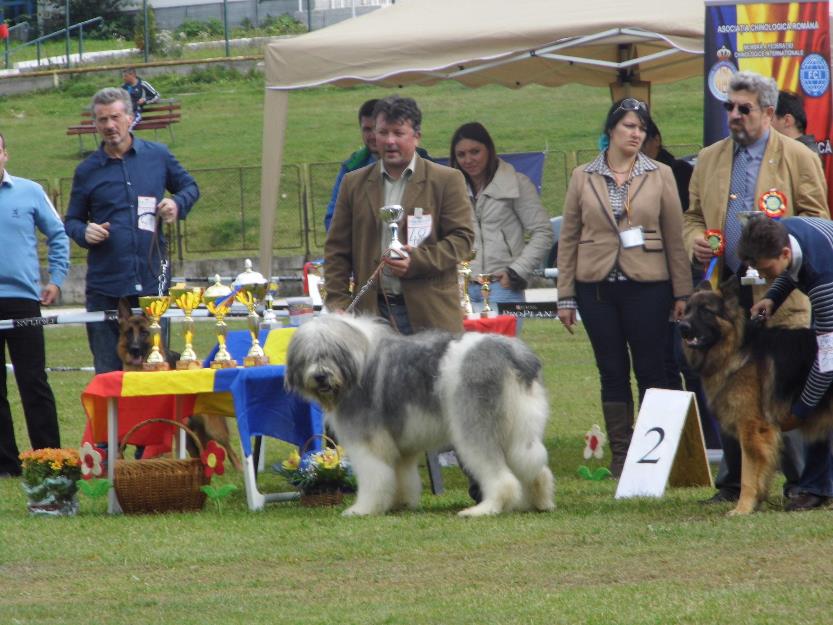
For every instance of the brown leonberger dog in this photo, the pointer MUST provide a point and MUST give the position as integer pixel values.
(752, 375)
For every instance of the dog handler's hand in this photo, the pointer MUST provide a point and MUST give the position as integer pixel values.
(49, 294)
(762, 309)
(702, 250)
(96, 233)
(567, 316)
(790, 423)
(399, 266)
(167, 210)
(679, 309)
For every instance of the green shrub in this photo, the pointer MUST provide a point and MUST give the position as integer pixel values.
(282, 25)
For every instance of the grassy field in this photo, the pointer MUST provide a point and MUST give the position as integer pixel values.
(594, 560)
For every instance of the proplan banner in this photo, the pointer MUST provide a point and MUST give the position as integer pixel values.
(789, 41)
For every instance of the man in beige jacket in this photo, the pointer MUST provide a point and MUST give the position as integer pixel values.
(753, 168)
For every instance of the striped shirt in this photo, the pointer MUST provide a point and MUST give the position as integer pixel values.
(811, 271)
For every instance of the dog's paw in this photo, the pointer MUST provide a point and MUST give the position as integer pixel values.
(484, 508)
(354, 511)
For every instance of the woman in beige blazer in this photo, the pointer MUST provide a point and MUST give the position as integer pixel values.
(623, 266)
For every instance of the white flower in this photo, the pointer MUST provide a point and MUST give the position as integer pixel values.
(90, 460)
(595, 440)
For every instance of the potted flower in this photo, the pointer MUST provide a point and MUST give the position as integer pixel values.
(321, 477)
(49, 480)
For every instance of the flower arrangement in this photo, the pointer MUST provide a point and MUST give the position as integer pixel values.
(320, 472)
(49, 480)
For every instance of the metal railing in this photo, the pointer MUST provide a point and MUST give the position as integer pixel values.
(227, 217)
(64, 32)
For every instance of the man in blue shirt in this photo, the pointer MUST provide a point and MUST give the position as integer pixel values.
(24, 207)
(117, 200)
(365, 155)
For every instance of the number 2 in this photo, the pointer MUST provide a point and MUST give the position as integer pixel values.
(645, 459)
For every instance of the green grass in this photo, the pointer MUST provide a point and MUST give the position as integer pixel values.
(594, 560)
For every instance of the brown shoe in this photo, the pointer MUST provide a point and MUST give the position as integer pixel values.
(805, 501)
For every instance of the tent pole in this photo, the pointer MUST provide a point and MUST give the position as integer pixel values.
(275, 106)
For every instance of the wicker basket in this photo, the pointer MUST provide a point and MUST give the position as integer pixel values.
(323, 498)
(317, 500)
(160, 484)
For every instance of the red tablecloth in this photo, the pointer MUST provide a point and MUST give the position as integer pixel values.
(502, 324)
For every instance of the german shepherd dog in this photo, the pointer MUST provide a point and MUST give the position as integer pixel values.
(751, 375)
(134, 346)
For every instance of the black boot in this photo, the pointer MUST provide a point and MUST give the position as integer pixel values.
(619, 424)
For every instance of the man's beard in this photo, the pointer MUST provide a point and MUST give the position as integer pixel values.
(740, 136)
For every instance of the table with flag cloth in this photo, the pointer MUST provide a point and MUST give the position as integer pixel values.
(116, 401)
(501, 324)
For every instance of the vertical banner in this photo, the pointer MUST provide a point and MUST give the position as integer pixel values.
(789, 41)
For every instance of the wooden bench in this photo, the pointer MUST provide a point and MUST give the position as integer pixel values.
(157, 116)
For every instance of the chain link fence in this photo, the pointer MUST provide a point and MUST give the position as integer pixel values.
(226, 219)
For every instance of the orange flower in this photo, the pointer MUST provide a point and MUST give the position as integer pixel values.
(212, 459)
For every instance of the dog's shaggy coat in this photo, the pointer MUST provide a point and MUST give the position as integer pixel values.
(390, 398)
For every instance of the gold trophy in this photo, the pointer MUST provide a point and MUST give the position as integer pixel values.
(251, 287)
(214, 294)
(154, 307)
(187, 298)
(485, 289)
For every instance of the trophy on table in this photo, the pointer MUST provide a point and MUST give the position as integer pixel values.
(485, 289)
(251, 287)
(154, 307)
(218, 301)
(392, 214)
(463, 279)
(187, 298)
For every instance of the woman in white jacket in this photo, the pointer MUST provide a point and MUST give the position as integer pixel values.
(512, 229)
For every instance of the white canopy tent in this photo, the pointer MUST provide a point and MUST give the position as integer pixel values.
(477, 42)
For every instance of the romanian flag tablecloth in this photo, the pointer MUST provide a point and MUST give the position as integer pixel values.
(261, 405)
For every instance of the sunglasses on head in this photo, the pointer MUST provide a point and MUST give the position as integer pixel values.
(632, 104)
(743, 109)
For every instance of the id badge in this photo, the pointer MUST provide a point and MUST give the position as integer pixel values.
(419, 227)
(825, 352)
(632, 237)
(146, 212)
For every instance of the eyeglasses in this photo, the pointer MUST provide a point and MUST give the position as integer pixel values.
(632, 104)
(743, 109)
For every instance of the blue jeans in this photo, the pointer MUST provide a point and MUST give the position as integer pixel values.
(393, 311)
(497, 294)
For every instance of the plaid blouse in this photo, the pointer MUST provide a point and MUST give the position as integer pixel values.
(618, 196)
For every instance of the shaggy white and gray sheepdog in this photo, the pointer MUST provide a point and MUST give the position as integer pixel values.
(390, 398)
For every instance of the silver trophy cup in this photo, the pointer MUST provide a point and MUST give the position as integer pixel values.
(392, 215)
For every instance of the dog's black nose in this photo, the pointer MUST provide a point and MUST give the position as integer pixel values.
(685, 329)
(320, 378)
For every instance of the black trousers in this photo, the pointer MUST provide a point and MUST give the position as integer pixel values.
(626, 321)
(26, 349)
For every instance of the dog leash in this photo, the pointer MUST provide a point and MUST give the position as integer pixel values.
(367, 286)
